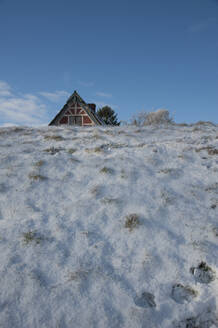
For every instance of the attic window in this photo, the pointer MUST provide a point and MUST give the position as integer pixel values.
(75, 120)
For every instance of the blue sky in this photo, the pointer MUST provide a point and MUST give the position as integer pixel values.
(132, 55)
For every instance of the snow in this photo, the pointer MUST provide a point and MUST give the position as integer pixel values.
(109, 227)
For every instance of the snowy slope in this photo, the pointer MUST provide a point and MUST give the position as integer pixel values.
(109, 227)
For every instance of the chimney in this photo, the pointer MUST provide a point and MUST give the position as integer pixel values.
(92, 106)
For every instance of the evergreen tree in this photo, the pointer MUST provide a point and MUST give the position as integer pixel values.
(107, 114)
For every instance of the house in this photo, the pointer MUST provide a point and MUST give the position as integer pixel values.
(77, 112)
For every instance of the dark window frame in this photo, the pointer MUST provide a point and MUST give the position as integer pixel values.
(75, 120)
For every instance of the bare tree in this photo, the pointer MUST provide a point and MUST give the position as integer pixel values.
(161, 116)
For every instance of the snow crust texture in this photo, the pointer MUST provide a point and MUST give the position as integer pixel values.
(109, 227)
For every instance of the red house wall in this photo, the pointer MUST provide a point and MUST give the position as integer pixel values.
(64, 120)
(86, 120)
(76, 111)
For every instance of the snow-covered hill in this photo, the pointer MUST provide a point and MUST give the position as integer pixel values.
(109, 227)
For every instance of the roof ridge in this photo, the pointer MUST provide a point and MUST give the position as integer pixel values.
(76, 96)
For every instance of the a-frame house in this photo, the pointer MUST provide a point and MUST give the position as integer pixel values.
(77, 112)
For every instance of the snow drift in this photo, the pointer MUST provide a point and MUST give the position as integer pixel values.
(109, 227)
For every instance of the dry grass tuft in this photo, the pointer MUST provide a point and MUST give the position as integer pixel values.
(37, 177)
(98, 149)
(211, 150)
(96, 190)
(78, 275)
(108, 200)
(31, 237)
(71, 150)
(212, 188)
(123, 174)
(55, 137)
(106, 170)
(39, 163)
(53, 150)
(215, 231)
(74, 160)
(108, 132)
(132, 221)
(167, 170)
(167, 197)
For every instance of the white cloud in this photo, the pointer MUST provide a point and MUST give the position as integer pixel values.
(55, 96)
(5, 125)
(5, 89)
(86, 84)
(103, 94)
(24, 109)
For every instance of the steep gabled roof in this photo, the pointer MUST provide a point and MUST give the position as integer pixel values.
(75, 98)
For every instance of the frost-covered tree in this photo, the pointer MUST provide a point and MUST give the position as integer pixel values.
(161, 116)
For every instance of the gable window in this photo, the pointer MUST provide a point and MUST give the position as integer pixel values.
(75, 120)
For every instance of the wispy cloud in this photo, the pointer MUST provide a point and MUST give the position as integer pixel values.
(203, 25)
(103, 94)
(86, 84)
(55, 96)
(5, 125)
(23, 111)
(5, 89)
(27, 109)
